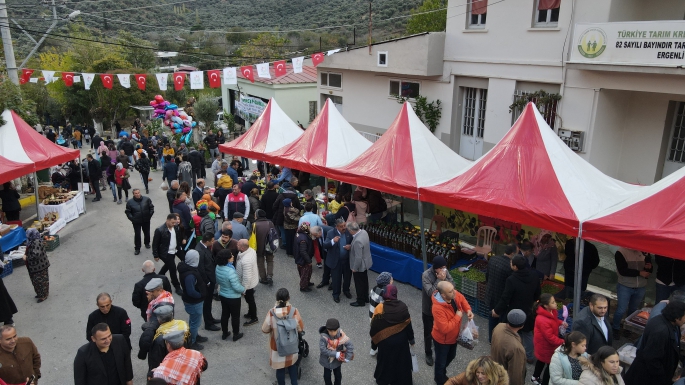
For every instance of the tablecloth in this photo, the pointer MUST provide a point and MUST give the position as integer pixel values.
(57, 226)
(403, 266)
(13, 239)
(69, 210)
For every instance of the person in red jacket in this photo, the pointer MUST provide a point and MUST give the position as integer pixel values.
(448, 310)
(546, 336)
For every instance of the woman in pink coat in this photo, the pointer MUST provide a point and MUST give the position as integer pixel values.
(545, 337)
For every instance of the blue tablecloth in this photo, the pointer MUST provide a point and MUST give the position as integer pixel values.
(13, 239)
(403, 266)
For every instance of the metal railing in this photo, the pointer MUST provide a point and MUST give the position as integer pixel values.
(370, 137)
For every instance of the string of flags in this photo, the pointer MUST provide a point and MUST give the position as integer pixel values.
(197, 78)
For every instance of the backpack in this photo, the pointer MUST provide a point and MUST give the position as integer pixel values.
(272, 240)
(287, 341)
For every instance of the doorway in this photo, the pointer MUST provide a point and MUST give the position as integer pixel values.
(473, 122)
(675, 156)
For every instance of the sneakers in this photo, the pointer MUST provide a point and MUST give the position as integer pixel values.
(119, 202)
(535, 380)
(373, 352)
(251, 322)
(319, 265)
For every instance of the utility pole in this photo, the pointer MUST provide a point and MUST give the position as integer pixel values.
(370, 40)
(7, 44)
(55, 20)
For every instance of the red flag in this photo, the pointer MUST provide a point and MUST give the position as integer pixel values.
(179, 80)
(317, 59)
(279, 66)
(141, 79)
(214, 78)
(26, 75)
(107, 80)
(248, 73)
(68, 78)
(23, 80)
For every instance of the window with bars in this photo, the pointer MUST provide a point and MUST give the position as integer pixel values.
(547, 13)
(477, 14)
(312, 111)
(547, 110)
(677, 149)
(475, 103)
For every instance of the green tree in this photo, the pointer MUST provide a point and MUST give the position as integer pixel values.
(134, 53)
(266, 46)
(428, 22)
(205, 111)
(11, 98)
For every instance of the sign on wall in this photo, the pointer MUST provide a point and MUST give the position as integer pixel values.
(652, 43)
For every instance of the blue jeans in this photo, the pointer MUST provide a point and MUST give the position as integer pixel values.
(628, 299)
(492, 323)
(444, 354)
(195, 318)
(283, 237)
(292, 372)
(113, 186)
(130, 159)
(527, 342)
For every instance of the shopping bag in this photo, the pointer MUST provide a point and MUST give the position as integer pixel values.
(253, 238)
(414, 361)
(468, 337)
(164, 186)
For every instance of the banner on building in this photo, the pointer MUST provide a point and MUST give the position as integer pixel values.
(249, 108)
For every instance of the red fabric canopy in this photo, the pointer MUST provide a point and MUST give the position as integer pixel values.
(270, 132)
(12, 170)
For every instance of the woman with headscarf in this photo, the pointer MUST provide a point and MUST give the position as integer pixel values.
(102, 147)
(112, 151)
(392, 333)
(37, 264)
(546, 254)
(121, 176)
(291, 220)
(304, 252)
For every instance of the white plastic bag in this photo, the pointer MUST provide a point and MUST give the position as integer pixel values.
(164, 186)
(468, 337)
(414, 361)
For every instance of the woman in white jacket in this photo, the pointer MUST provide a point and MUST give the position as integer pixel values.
(565, 368)
(246, 267)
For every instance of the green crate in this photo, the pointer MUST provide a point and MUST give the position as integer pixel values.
(52, 245)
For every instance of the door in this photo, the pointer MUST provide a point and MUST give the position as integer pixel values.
(337, 101)
(473, 122)
(675, 157)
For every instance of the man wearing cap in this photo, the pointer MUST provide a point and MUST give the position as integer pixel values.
(430, 279)
(167, 241)
(181, 365)
(236, 202)
(115, 317)
(239, 229)
(104, 360)
(338, 244)
(207, 269)
(360, 262)
(449, 308)
(156, 296)
(506, 348)
(194, 292)
(152, 340)
(376, 296)
(139, 297)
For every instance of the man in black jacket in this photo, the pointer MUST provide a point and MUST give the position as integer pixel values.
(115, 317)
(590, 262)
(197, 161)
(207, 269)
(104, 360)
(194, 292)
(128, 149)
(139, 296)
(593, 322)
(167, 241)
(499, 269)
(139, 211)
(199, 190)
(212, 144)
(171, 194)
(249, 185)
(268, 199)
(277, 208)
(94, 175)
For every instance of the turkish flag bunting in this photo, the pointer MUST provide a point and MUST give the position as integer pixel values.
(26, 74)
(68, 78)
(107, 80)
(317, 59)
(214, 78)
(23, 80)
(248, 73)
(179, 80)
(279, 66)
(141, 79)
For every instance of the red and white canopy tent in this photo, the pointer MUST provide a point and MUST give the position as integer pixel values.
(270, 132)
(25, 151)
(329, 141)
(651, 220)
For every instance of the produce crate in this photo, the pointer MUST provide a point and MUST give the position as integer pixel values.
(52, 245)
(469, 287)
(473, 302)
(457, 277)
(481, 290)
(483, 309)
(550, 287)
(7, 270)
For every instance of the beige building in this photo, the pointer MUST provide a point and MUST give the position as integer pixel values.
(623, 96)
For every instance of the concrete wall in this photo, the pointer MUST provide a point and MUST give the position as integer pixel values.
(640, 10)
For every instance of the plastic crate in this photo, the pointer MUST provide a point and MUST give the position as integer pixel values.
(481, 287)
(483, 309)
(457, 278)
(473, 302)
(469, 287)
(8, 269)
(52, 245)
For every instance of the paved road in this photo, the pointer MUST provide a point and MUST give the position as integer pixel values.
(96, 255)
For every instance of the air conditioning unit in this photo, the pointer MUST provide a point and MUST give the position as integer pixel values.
(573, 139)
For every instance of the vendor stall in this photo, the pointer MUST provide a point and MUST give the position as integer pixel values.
(13, 238)
(67, 205)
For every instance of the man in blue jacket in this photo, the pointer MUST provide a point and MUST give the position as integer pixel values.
(337, 246)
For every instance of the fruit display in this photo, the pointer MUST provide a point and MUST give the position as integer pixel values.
(59, 198)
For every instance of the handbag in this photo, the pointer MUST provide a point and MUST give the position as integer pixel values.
(253, 238)
(125, 184)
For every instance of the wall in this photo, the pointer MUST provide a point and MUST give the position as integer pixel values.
(640, 10)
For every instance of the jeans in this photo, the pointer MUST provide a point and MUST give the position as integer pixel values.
(137, 227)
(130, 159)
(427, 338)
(113, 187)
(246, 163)
(375, 217)
(527, 342)
(628, 299)
(194, 311)
(251, 305)
(336, 372)
(492, 323)
(444, 354)
(230, 308)
(213, 153)
(542, 372)
(292, 372)
(96, 187)
(283, 240)
(119, 188)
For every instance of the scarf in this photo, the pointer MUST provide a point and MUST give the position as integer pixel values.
(334, 343)
(389, 318)
(538, 246)
(32, 235)
(172, 326)
(304, 228)
(164, 297)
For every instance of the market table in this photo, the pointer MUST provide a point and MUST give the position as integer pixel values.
(13, 239)
(69, 210)
(403, 266)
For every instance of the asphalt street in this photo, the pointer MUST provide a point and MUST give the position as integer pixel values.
(96, 255)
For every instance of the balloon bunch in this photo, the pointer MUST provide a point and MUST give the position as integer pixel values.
(177, 121)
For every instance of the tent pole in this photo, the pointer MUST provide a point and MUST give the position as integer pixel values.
(80, 168)
(577, 285)
(35, 191)
(325, 193)
(423, 237)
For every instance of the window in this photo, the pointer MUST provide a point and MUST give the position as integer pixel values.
(478, 13)
(382, 59)
(547, 13)
(312, 111)
(404, 88)
(548, 111)
(331, 79)
(475, 102)
(676, 151)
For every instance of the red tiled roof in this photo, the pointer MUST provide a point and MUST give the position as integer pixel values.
(308, 75)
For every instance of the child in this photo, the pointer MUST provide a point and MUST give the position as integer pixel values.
(335, 348)
(376, 297)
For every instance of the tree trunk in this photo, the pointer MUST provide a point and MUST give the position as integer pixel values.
(98, 126)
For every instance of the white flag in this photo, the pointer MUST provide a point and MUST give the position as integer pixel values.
(33, 80)
(162, 79)
(49, 76)
(88, 80)
(331, 52)
(230, 76)
(125, 80)
(77, 79)
(297, 64)
(263, 70)
(197, 80)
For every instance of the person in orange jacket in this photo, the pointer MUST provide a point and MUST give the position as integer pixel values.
(448, 310)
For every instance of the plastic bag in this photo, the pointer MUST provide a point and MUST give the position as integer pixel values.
(164, 186)
(468, 337)
(414, 361)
